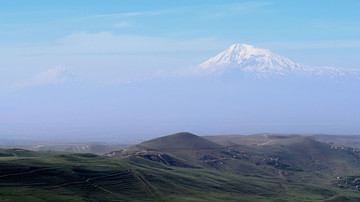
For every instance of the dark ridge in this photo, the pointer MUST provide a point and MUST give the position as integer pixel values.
(183, 140)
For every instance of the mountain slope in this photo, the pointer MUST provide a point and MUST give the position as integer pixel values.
(178, 141)
(264, 63)
(250, 59)
(180, 150)
(252, 154)
(275, 168)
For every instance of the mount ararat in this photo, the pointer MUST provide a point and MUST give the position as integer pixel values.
(264, 63)
(242, 90)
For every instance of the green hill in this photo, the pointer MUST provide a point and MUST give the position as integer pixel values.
(186, 167)
(176, 141)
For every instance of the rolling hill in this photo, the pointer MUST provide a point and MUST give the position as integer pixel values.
(186, 167)
(177, 141)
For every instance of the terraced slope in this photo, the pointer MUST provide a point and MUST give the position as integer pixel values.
(278, 168)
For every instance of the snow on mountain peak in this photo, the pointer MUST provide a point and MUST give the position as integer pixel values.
(264, 63)
(248, 50)
(249, 59)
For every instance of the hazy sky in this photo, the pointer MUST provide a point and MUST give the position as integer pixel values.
(95, 69)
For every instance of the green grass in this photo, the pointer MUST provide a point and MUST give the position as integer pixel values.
(277, 172)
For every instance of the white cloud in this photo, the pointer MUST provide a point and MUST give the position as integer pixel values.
(127, 15)
(50, 76)
(217, 10)
(102, 43)
(104, 57)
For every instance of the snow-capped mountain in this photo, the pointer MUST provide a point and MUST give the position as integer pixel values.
(49, 77)
(264, 63)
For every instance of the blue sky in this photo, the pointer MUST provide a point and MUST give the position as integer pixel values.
(109, 44)
(38, 35)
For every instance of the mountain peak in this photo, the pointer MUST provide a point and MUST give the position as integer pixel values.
(242, 46)
(249, 59)
(247, 51)
(264, 63)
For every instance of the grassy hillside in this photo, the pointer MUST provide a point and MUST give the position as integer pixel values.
(84, 177)
(298, 162)
(178, 141)
(185, 167)
(339, 140)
